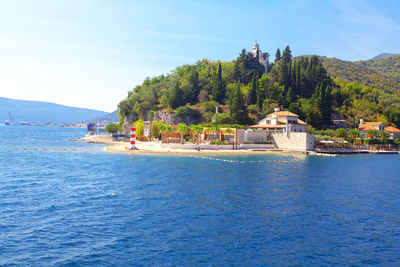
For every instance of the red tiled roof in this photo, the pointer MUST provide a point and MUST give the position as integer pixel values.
(283, 113)
(266, 126)
(392, 129)
(369, 125)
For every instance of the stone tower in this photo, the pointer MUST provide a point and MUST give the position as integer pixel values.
(264, 59)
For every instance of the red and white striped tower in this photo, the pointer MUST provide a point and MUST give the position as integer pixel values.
(133, 137)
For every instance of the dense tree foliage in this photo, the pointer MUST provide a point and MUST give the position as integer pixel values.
(244, 93)
(371, 73)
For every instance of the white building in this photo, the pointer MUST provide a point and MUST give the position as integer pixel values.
(282, 121)
(262, 58)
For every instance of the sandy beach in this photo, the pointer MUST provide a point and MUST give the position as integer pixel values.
(118, 146)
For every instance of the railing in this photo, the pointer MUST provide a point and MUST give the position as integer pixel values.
(352, 148)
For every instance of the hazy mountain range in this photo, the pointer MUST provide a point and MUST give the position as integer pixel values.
(44, 112)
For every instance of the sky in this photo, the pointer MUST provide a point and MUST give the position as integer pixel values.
(91, 53)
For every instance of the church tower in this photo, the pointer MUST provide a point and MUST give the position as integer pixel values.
(264, 59)
(256, 48)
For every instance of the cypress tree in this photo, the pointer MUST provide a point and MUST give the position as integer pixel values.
(175, 97)
(284, 78)
(298, 79)
(293, 77)
(237, 108)
(287, 54)
(327, 105)
(258, 56)
(278, 55)
(191, 91)
(218, 90)
(236, 71)
(290, 96)
(252, 93)
(260, 97)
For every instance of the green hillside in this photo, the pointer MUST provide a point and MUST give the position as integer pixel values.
(381, 74)
(316, 88)
(388, 67)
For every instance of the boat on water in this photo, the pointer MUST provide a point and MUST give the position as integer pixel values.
(9, 122)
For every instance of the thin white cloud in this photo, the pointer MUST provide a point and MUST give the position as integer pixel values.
(361, 14)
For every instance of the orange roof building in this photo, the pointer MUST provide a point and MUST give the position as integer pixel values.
(375, 125)
(393, 131)
(281, 121)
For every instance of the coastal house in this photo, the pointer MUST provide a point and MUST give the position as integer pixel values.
(393, 131)
(364, 127)
(284, 129)
(374, 125)
(281, 121)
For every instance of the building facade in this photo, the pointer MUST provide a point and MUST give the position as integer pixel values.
(263, 58)
(281, 121)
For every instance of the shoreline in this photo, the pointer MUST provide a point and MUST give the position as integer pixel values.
(117, 146)
(154, 147)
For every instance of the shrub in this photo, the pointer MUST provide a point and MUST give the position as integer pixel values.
(223, 118)
(112, 129)
(183, 111)
(397, 141)
(253, 109)
(215, 142)
(139, 127)
(209, 106)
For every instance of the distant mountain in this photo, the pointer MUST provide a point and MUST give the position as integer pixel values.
(43, 112)
(381, 73)
(383, 55)
(108, 118)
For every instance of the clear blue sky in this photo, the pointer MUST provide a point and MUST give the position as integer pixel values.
(90, 53)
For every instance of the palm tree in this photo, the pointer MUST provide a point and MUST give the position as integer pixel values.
(342, 133)
(162, 129)
(198, 131)
(353, 134)
(168, 130)
(165, 129)
(182, 129)
(192, 131)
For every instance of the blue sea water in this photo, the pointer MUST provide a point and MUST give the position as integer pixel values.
(76, 205)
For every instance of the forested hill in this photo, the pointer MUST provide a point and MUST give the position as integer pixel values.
(388, 67)
(381, 73)
(316, 88)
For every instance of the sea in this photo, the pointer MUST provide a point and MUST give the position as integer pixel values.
(68, 203)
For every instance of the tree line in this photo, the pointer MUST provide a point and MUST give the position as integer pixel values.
(245, 93)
